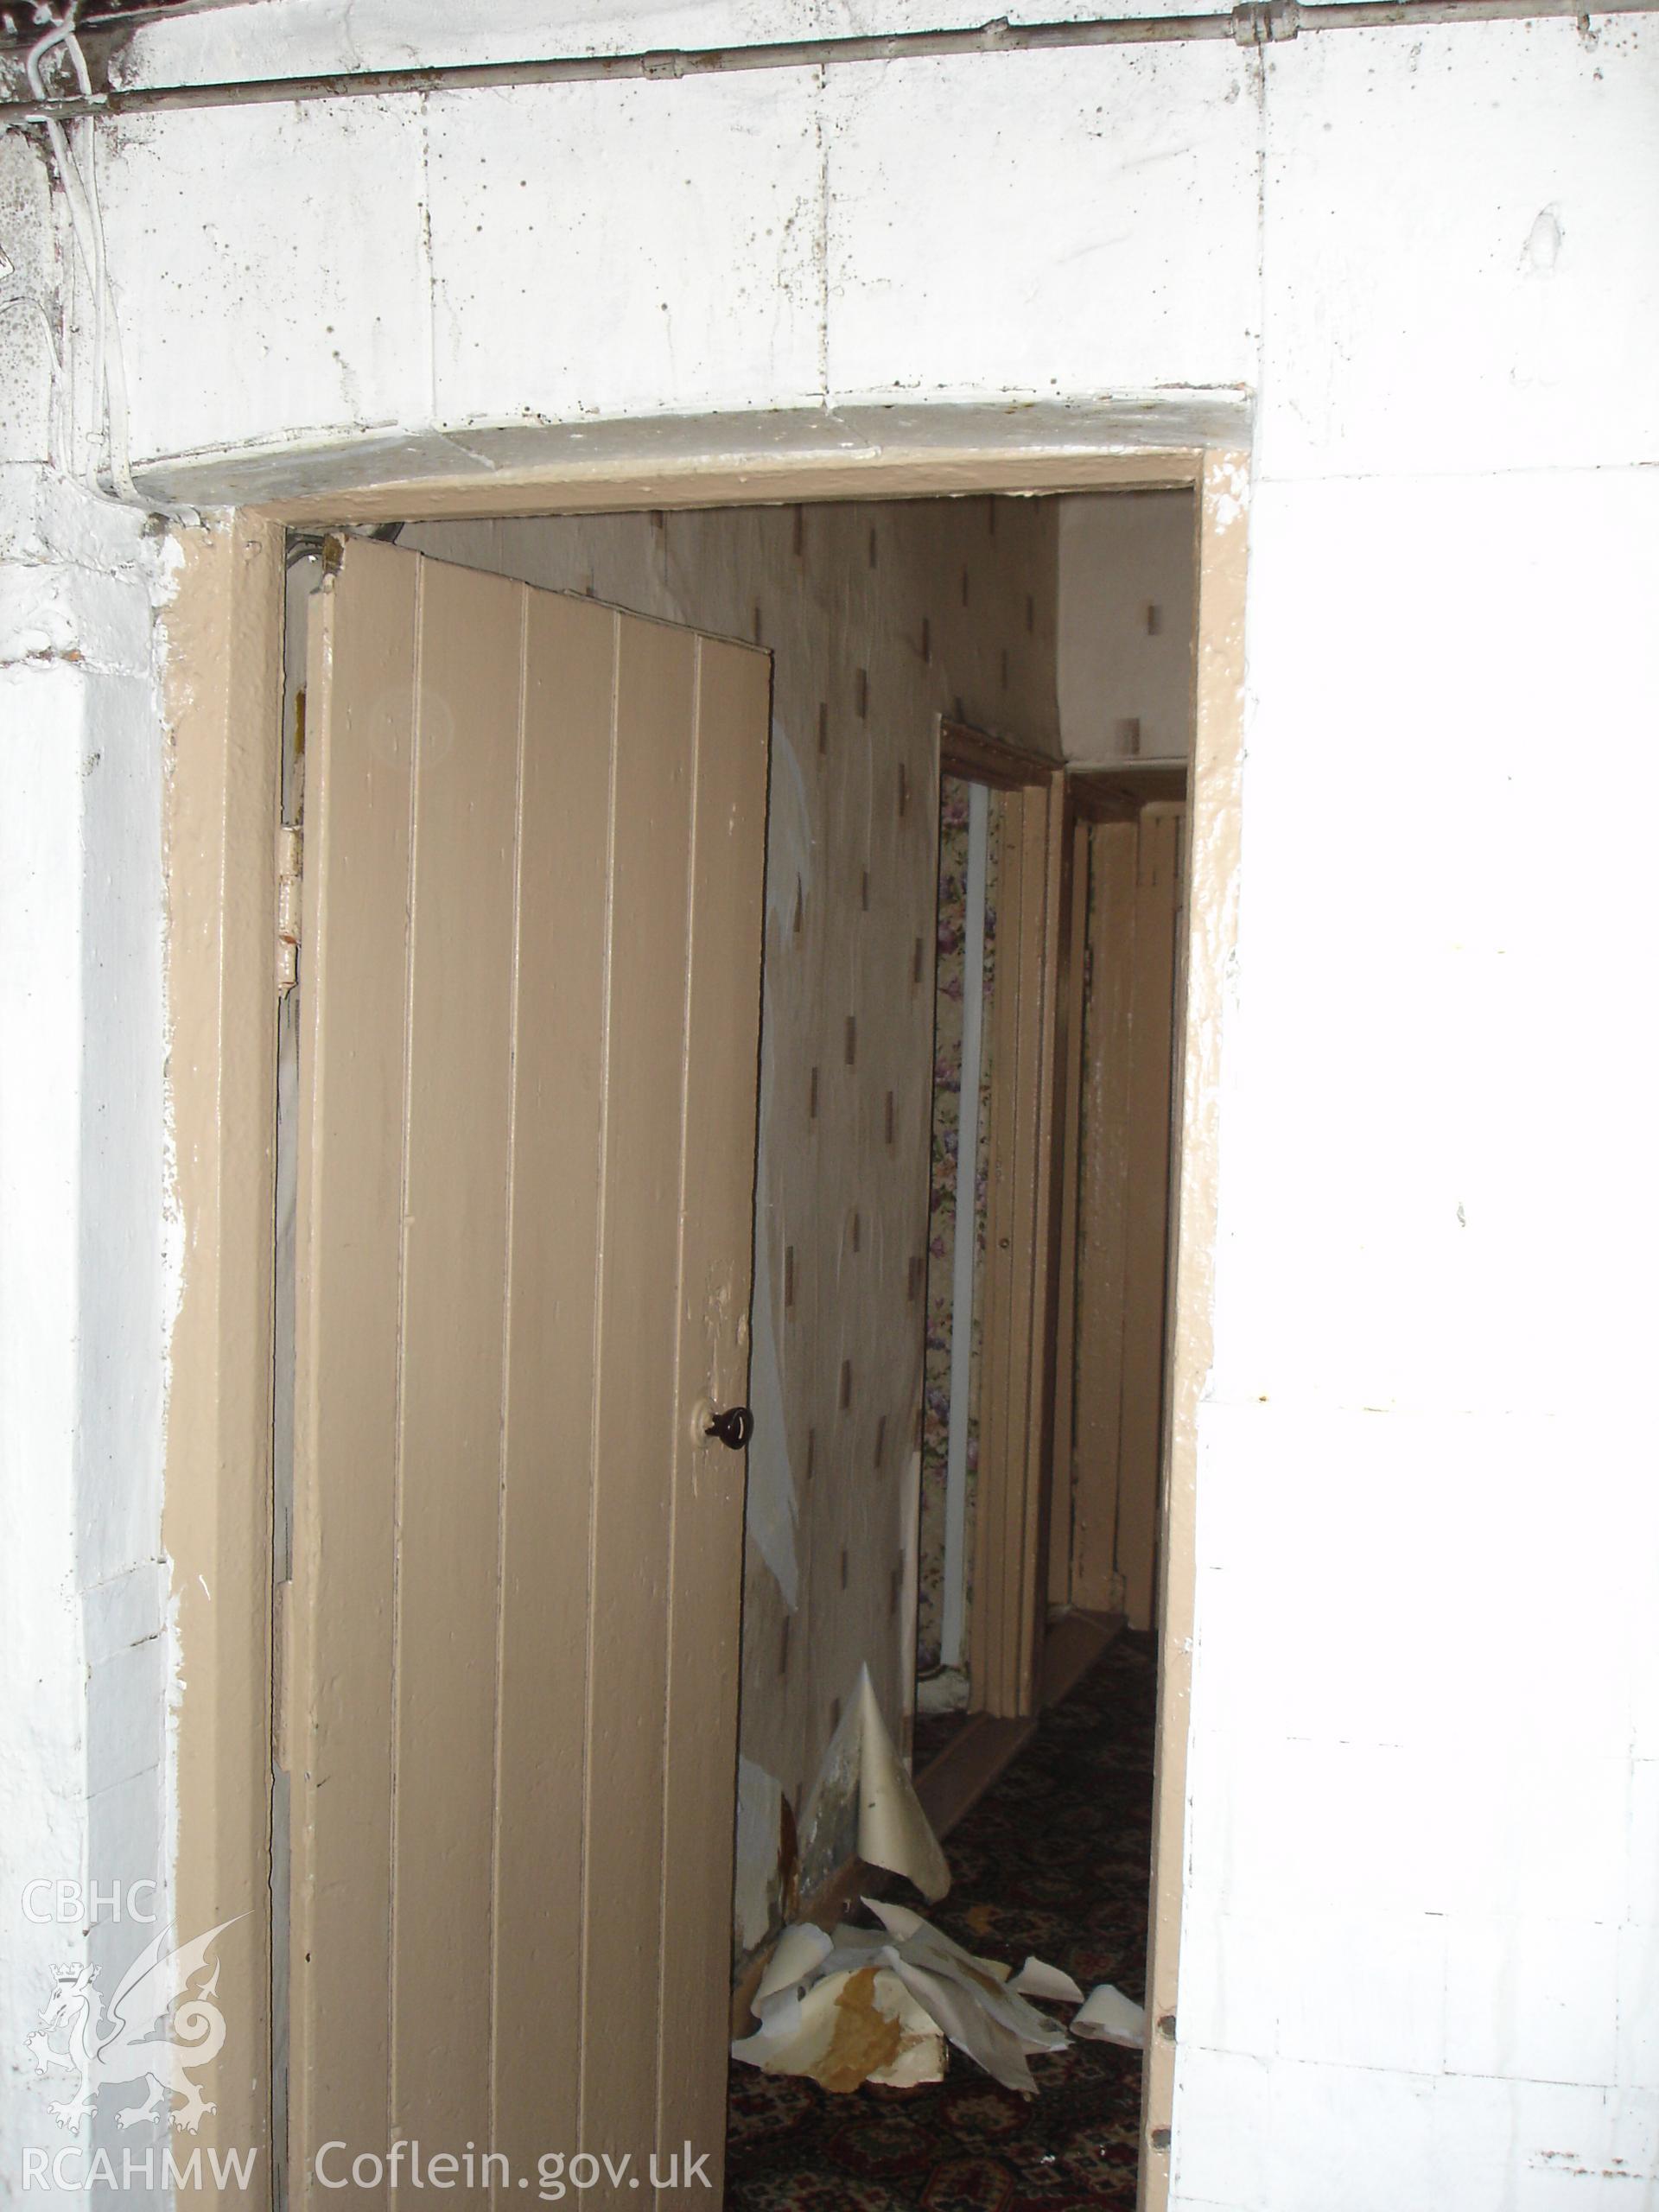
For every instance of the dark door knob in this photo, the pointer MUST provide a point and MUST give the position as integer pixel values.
(734, 1427)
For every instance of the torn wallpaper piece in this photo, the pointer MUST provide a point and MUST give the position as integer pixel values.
(998, 2027)
(1108, 2015)
(893, 1829)
(877, 2005)
(1036, 1980)
(800, 1952)
(857, 2024)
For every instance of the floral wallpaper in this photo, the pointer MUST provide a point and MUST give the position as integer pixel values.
(942, 1218)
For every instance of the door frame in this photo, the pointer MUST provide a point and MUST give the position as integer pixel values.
(1110, 1564)
(222, 712)
(1025, 1149)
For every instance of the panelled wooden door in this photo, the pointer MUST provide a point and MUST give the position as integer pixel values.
(1132, 1036)
(533, 886)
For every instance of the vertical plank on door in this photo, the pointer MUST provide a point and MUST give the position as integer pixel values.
(716, 1180)
(1147, 1235)
(1104, 1218)
(1069, 1168)
(548, 1450)
(637, 1411)
(1016, 1560)
(339, 1697)
(453, 1276)
(1047, 926)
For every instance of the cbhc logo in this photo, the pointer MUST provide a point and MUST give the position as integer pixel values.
(85, 1902)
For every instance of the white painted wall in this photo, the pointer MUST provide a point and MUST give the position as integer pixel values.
(1423, 1873)
(82, 1671)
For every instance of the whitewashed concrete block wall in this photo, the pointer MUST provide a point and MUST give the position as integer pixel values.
(83, 1267)
(1422, 1884)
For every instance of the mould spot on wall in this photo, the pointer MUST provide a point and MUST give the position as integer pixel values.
(759, 1823)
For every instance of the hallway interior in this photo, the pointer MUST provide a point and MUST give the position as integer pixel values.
(1053, 1860)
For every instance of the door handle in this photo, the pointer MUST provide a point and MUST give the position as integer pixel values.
(734, 1427)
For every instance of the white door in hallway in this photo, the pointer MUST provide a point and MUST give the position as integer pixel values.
(531, 954)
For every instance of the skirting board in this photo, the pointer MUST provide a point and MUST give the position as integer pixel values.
(953, 1784)
(950, 1785)
(1075, 1640)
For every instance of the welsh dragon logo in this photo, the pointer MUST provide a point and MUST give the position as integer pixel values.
(136, 2041)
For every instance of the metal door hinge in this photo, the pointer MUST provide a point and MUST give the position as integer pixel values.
(288, 852)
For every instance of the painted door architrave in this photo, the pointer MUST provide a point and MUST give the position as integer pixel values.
(223, 710)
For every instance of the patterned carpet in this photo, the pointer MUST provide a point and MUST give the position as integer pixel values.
(1054, 1860)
